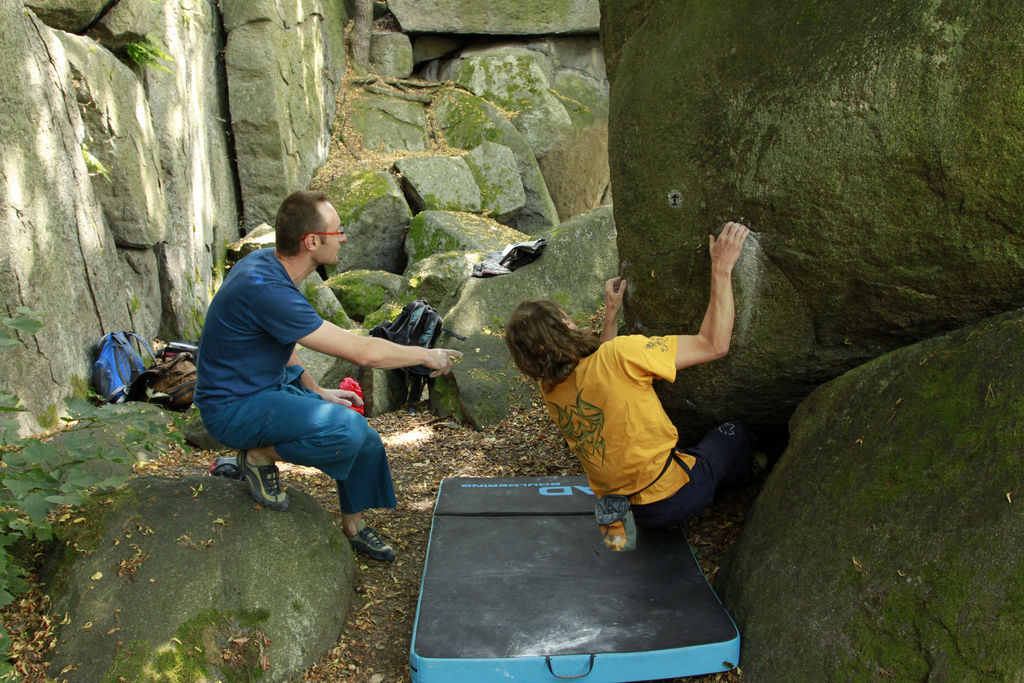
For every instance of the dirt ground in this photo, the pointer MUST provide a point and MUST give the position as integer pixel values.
(423, 449)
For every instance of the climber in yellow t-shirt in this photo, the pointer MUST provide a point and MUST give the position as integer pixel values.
(599, 391)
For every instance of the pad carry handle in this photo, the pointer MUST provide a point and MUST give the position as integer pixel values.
(590, 668)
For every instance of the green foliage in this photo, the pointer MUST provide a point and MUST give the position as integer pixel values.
(94, 165)
(147, 52)
(40, 474)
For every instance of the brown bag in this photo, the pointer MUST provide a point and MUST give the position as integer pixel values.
(170, 382)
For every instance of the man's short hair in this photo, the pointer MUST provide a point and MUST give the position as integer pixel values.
(298, 216)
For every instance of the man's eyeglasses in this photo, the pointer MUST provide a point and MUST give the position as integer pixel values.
(339, 233)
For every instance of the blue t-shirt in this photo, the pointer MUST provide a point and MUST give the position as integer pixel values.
(250, 330)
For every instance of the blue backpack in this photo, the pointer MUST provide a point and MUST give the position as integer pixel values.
(116, 362)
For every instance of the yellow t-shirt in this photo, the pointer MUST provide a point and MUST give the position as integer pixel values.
(611, 417)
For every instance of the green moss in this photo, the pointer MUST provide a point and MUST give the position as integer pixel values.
(205, 647)
(49, 418)
(79, 386)
(350, 194)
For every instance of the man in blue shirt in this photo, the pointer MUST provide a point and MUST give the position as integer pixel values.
(254, 394)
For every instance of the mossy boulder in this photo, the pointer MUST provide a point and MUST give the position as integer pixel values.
(875, 146)
(433, 232)
(501, 188)
(390, 124)
(467, 121)
(375, 217)
(439, 183)
(361, 292)
(516, 80)
(886, 542)
(581, 254)
(185, 579)
(438, 278)
(323, 300)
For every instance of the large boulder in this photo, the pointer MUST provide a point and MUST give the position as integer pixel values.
(390, 124)
(439, 183)
(362, 292)
(875, 146)
(391, 54)
(73, 16)
(516, 79)
(375, 217)
(580, 256)
(439, 277)
(467, 121)
(285, 62)
(506, 17)
(59, 257)
(886, 542)
(496, 173)
(433, 232)
(575, 168)
(556, 94)
(187, 579)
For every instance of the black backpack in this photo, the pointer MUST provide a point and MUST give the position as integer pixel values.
(419, 324)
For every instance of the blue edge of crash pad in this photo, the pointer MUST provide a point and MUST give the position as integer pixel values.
(517, 586)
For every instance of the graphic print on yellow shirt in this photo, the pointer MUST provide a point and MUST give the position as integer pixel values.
(582, 424)
(613, 421)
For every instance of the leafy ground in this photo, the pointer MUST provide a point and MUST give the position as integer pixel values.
(423, 449)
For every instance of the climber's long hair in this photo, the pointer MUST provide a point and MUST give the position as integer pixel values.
(542, 344)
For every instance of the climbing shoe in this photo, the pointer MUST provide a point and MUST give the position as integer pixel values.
(366, 540)
(264, 484)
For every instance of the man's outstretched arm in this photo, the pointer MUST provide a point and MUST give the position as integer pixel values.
(712, 341)
(374, 352)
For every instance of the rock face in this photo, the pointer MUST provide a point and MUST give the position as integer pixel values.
(129, 161)
(874, 146)
(59, 259)
(886, 542)
(178, 567)
(580, 256)
(282, 105)
(122, 145)
(504, 17)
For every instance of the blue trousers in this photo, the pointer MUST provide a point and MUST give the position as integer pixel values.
(306, 430)
(724, 456)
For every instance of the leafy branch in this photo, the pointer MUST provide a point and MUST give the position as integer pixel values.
(147, 52)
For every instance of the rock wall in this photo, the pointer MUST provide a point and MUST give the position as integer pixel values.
(875, 148)
(124, 177)
(886, 542)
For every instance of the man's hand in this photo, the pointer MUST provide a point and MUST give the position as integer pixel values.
(345, 398)
(725, 250)
(441, 360)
